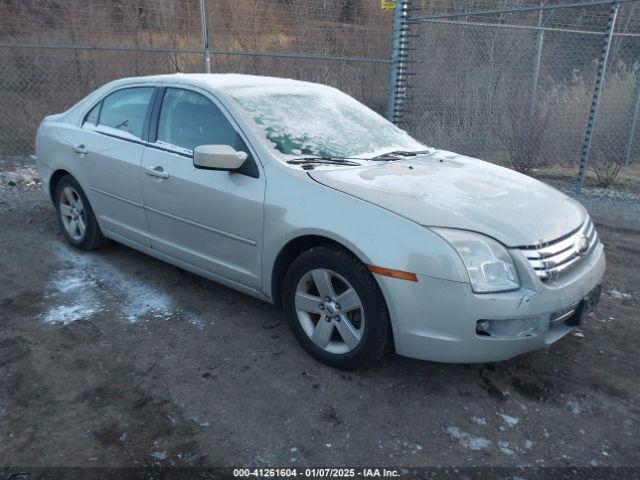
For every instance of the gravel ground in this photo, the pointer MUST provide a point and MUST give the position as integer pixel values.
(611, 207)
(115, 359)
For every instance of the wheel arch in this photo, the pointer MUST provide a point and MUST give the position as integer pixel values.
(290, 251)
(56, 176)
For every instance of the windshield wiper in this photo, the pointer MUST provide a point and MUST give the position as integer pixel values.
(310, 162)
(395, 155)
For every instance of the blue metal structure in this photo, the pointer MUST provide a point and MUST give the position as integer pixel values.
(635, 106)
(597, 89)
(397, 78)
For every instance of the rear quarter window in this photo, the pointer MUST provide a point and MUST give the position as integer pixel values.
(94, 113)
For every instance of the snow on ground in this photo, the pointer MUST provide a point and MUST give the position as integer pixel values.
(574, 407)
(504, 447)
(90, 278)
(614, 293)
(79, 299)
(467, 440)
(508, 420)
(65, 314)
(479, 421)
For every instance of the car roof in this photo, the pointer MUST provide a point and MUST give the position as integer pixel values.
(224, 81)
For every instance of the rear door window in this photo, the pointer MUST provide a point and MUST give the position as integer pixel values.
(125, 110)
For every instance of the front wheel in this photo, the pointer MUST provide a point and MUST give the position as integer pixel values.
(336, 309)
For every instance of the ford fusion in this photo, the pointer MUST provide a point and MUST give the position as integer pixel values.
(298, 194)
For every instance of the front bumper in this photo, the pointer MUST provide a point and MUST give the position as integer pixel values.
(435, 319)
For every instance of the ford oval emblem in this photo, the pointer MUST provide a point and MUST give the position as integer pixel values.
(582, 245)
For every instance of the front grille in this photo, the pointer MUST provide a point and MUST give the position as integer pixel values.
(551, 259)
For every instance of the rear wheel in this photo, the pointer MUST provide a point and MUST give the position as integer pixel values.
(335, 308)
(75, 216)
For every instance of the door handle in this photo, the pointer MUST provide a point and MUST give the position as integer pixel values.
(156, 171)
(80, 149)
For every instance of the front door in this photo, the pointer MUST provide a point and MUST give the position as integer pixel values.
(210, 219)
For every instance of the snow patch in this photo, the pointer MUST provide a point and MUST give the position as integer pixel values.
(68, 284)
(479, 421)
(204, 424)
(65, 314)
(508, 420)
(614, 293)
(80, 301)
(574, 407)
(90, 274)
(141, 300)
(504, 448)
(467, 440)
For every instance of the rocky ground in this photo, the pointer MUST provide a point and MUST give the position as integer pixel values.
(113, 358)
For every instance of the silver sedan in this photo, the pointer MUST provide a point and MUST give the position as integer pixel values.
(297, 194)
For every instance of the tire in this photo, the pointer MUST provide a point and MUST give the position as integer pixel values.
(75, 216)
(338, 335)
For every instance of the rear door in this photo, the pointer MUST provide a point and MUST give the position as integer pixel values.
(109, 149)
(210, 219)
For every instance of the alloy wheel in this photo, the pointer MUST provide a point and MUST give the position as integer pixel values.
(73, 214)
(330, 311)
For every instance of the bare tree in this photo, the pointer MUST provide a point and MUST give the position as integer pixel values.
(523, 139)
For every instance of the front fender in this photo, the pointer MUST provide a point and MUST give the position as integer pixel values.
(296, 205)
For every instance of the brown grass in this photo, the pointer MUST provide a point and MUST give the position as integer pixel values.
(628, 179)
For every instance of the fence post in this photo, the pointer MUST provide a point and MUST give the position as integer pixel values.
(536, 65)
(206, 62)
(397, 76)
(395, 50)
(600, 73)
(635, 106)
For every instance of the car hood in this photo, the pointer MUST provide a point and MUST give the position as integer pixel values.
(448, 190)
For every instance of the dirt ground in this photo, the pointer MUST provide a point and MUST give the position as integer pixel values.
(116, 359)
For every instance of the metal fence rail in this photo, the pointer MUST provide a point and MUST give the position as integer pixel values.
(525, 83)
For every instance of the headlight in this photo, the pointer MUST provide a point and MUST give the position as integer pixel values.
(488, 263)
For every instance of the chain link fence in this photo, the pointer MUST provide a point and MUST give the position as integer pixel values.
(508, 81)
(513, 82)
(54, 52)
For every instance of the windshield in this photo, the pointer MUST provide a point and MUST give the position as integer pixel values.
(321, 121)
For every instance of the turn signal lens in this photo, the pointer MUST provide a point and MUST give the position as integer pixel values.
(387, 272)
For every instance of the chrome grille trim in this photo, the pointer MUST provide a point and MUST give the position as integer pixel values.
(561, 316)
(550, 259)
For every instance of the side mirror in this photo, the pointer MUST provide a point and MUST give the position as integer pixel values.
(218, 157)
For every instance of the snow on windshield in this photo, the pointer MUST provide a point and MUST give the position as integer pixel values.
(320, 121)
